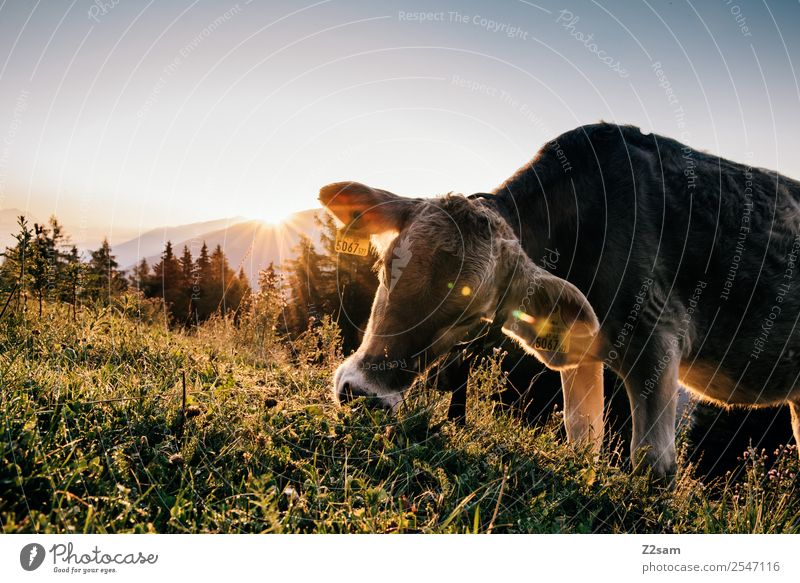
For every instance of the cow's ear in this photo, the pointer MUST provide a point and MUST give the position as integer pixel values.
(364, 209)
(553, 320)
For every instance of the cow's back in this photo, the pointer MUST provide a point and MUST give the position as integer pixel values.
(658, 234)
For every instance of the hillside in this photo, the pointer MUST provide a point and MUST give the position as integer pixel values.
(151, 243)
(99, 438)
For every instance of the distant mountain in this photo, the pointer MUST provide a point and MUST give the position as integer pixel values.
(152, 242)
(249, 244)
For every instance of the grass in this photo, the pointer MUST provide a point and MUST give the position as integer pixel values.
(97, 437)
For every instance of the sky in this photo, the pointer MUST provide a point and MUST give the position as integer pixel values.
(119, 116)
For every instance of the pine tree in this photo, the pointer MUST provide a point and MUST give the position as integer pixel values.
(141, 278)
(36, 263)
(14, 271)
(103, 277)
(307, 302)
(203, 265)
(239, 293)
(73, 275)
(202, 296)
(167, 284)
(58, 254)
(269, 301)
(263, 310)
(40, 263)
(270, 283)
(222, 278)
(188, 284)
(187, 266)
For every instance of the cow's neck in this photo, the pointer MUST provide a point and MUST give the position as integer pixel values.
(539, 223)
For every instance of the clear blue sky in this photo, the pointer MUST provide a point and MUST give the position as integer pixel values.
(120, 118)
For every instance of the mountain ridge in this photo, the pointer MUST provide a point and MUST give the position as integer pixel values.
(249, 244)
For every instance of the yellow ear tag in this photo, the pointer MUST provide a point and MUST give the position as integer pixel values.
(352, 244)
(553, 334)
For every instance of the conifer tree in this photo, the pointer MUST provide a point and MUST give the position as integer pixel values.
(203, 302)
(187, 266)
(14, 271)
(103, 277)
(188, 284)
(270, 283)
(269, 301)
(222, 277)
(307, 300)
(167, 283)
(73, 275)
(58, 251)
(40, 263)
(239, 292)
(141, 278)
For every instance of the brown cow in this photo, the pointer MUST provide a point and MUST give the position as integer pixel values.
(673, 266)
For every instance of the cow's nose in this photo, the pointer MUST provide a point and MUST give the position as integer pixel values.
(348, 392)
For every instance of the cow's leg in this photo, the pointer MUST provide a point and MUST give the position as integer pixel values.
(583, 403)
(457, 411)
(652, 388)
(794, 407)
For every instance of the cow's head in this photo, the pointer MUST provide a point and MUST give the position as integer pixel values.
(447, 265)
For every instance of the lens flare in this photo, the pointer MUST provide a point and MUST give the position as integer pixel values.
(520, 315)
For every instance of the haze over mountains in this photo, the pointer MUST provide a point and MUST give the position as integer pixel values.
(247, 243)
(152, 242)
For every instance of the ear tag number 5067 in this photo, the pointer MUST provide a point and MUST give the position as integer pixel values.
(352, 245)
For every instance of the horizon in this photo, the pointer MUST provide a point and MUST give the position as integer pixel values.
(123, 119)
(86, 240)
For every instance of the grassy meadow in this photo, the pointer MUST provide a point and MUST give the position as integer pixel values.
(113, 423)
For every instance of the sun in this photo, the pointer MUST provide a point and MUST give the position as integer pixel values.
(276, 217)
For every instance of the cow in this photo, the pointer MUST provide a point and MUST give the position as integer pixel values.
(610, 248)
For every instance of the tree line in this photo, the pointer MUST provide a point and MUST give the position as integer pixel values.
(43, 265)
(193, 289)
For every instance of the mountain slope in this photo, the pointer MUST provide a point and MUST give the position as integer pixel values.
(152, 242)
(251, 244)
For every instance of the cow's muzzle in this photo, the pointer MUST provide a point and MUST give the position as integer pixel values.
(350, 383)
